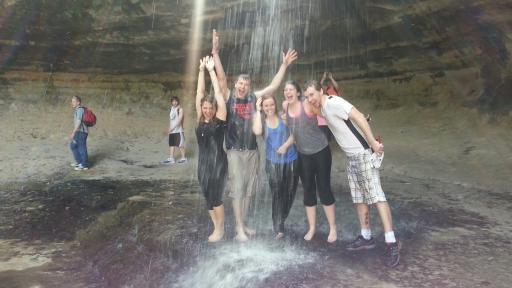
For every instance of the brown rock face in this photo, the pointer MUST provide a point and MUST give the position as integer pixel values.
(438, 69)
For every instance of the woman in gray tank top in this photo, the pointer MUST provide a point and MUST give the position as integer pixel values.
(315, 159)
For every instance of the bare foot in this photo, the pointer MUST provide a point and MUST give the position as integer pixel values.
(241, 237)
(279, 236)
(216, 236)
(309, 235)
(249, 231)
(333, 236)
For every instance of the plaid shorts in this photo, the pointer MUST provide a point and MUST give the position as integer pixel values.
(364, 180)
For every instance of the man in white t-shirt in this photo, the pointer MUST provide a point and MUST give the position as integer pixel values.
(354, 135)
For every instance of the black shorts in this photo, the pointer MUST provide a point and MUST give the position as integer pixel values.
(177, 139)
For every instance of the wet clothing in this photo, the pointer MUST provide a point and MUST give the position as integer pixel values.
(241, 146)
(78, 144)
(316, 174)
(364, 180)
(242, 173)
(282, 172)
(212, 161)
(274, 138)
(283, 179)
(314, 156)
(239, 134)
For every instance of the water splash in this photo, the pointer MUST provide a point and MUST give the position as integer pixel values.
(235, 265)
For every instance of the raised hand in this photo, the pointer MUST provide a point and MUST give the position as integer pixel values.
(215, 42)
(210, 64)
(258, 103)
(202, 63)
(289, 57)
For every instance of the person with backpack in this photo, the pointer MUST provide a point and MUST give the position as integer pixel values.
(364, 154)
(79, 135)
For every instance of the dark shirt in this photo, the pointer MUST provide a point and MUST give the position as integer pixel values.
(239, 135)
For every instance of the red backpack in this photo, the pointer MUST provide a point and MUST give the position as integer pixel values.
(89, 118)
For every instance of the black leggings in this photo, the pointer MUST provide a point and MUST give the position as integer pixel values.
(316, 175)
(283, 179)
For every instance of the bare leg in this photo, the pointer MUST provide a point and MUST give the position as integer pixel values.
(385, 216)
(363, 213)
(311, 216)
(218, 218)
(171, 152)
(182, 150)
(331, 219)
(237, 210)
(214, 220)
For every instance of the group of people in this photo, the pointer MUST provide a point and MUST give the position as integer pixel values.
(228, 124)
(296, 147)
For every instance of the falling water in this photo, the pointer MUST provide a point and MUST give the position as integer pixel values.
(265, 29)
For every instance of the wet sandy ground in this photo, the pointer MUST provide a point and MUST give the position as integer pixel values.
(151, 233)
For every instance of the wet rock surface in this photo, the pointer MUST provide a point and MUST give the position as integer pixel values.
(153, 234)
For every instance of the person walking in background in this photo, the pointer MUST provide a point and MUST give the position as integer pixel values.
(79, 135)
(282, 165)
(315, 159)
(212, 161)
(242, 150)
(347, 124)
(176, 133)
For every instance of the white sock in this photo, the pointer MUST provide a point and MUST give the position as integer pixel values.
(390, 237)
(366, 233)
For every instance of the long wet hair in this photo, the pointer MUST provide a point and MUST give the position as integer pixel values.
(210, 100)
(296, 85)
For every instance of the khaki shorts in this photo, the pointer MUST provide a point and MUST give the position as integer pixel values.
(364, 180)
(243, 167)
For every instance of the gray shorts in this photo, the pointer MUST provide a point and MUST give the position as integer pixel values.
(243, 167)
(364, 180)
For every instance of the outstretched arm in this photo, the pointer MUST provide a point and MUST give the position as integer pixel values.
(257, 128)
(221, 75)
(221, 103)
(361, 122)
(288, 59)
(200, 88)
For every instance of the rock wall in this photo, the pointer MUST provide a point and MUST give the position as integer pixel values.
(435, 74)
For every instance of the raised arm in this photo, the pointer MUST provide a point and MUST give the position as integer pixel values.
(200, 88)
(257, 127)
(334, 83)
(324, 76)
(361, 122)
(221, 103)
(288, 59)
(221, 75)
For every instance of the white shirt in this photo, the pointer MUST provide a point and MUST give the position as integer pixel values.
(335, 110)
(174, 117)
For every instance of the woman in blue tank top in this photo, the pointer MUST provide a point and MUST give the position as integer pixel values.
(281, 160)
